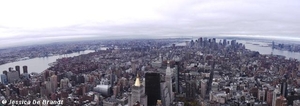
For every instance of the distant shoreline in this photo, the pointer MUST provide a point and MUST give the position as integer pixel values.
(20, 59)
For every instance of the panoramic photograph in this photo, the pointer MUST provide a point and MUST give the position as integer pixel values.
(150, 53)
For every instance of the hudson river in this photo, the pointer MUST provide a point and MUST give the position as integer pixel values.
(39, 64)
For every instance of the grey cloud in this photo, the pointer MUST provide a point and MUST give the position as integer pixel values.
(197, 18)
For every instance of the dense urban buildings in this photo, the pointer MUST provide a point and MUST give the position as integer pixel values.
(204, 72)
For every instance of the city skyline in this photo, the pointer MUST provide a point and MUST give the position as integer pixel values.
(149, 72)
(39, 22)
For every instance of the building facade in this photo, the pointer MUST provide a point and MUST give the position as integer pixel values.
(137, 95)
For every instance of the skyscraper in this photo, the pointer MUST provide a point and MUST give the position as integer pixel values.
(200, 40)
(205, 42)
(273, 44)
(10, 69)
(203, 87)
(25, 69)
(177, 69)
(137, 94)
(283, 88)
(192, 43)
(112, 79)
(53, 80)
(5, 72)
(165, 94)
(4, 79)
(18, 69)
(224, 42)
(191, 89)
(233, 42)
(13, 76)
(152, 88)
(214, 40)
(47, 88)
(168, 80)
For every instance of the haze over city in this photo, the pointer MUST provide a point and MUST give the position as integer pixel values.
(34, 21)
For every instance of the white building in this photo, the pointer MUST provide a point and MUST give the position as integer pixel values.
(165, 95)
(168, 80)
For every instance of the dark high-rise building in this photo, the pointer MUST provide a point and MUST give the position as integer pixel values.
(233, 42)
(152, 88)
(205, 42)
(178, 68)
(5, 72)
(224, 41)
(80, 79)
(10, 69)
(214, 40)
(283, 88)
(112, 80)
(200, 40)
(191, 89)
(18, 69)
(192, 43)
(25, 69)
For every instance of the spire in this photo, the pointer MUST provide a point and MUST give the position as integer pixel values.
(160, 58)
(168, 70)
(137, 81)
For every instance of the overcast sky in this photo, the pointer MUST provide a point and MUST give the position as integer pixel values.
(36, 20)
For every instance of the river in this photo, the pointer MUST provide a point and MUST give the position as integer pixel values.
(269, 50)
(39, 64)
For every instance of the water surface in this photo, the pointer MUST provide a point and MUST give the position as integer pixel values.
(39, 64)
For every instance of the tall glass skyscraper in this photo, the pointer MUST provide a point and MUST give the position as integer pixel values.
(152, 88)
